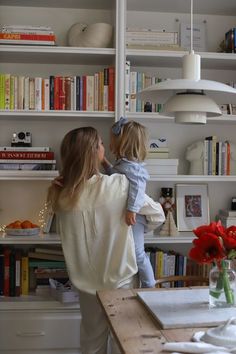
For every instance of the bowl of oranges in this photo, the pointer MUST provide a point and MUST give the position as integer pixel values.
(22, 228)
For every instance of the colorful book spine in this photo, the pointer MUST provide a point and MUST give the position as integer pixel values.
(27, 155)
(6, 290)
(27, 36)
(24, 275)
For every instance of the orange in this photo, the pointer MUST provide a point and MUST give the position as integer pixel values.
(26, 224)
(17, 225)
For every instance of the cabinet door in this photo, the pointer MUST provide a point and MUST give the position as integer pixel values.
(40, 330)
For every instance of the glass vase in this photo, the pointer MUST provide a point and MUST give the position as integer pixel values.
(222, 285)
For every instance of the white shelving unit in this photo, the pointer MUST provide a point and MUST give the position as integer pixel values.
(23, 193)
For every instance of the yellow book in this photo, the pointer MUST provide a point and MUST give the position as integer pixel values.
(2, 91)
(12, 93)
(24, 275)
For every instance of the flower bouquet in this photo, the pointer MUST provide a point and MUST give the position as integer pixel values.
(217, 245)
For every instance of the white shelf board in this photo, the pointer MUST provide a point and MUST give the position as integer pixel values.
(35, 302)
(56, 55)
(192, 178)
(47, 239)
(81, 4)
(168, 58)
(55, 115)
(159, 118)
(185, 238)
(214, 7)
(28, 175)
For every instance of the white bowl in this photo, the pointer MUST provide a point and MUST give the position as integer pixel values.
(23, 232)
(224, 335)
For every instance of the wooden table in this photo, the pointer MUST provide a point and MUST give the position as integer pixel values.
(134, 328)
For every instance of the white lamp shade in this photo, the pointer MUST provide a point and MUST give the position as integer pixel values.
(161, 92)
(191, 108)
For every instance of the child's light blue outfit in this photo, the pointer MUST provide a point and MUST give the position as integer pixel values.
(137, 176)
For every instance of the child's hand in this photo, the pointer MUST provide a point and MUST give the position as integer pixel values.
(130, 217)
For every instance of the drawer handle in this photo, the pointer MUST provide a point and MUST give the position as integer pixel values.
(30, 334)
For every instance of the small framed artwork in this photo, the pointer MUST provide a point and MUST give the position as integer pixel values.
(192, 206)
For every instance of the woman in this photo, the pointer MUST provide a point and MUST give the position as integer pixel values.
(97, 244)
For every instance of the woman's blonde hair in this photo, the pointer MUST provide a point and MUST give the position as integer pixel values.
(130, 141)
(79, 157)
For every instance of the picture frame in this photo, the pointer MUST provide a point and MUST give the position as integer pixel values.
(192, 206)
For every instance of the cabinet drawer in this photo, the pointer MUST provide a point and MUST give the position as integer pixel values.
(39, 330)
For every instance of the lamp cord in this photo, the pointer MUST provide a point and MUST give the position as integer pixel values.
(191, 27)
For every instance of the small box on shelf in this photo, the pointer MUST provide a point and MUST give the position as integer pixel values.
(162, 166)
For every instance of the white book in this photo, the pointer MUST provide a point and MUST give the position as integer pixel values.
(24, 41)
(26, 93)
(26, 31)
(127, 86)
(38, 93)
(90, 93)
(20, 99)
(20, 27)
(96, 91)
(46, 94)
(31, 93)
(9, 161)
(133, 87)
(25, 148)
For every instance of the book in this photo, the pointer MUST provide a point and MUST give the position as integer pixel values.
(26, 155)
(42, 255)
(38, 263)
(48, 250)
(17, 272)
(227, 212)
(26, 148)
(24, 275)
(12, 291)
(6, 289)
(29, 166)
(27, 36)
(1, 272)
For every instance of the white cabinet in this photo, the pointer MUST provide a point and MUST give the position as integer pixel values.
(39, 327)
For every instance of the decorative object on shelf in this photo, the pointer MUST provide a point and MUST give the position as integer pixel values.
(169, 228)
(192, 205)
(95, 35)
(195, 155)
(190, 104)
(167, 202)
(217, 244)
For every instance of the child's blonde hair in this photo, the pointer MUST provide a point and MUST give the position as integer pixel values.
(129, 140)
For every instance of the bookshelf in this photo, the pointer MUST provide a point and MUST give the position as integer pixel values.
(43, 61)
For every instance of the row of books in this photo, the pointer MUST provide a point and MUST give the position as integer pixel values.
(84, 93)
(134, 82)
(217, 157)
(27, 34)
(26, 158)
(21, 273)
(230, 41)
(172, 263)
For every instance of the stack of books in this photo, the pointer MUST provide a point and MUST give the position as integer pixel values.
(26, 158)
(158, 149)
(217, 157)
(27, 34)
(146, 38)
(227, 217)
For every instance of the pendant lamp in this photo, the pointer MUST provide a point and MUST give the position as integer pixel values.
(190, 100)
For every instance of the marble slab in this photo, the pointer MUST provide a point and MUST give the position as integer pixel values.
(184, 308)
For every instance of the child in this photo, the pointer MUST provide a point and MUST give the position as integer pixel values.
(128, 144)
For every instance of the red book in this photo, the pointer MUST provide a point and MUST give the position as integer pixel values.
(26, 36)
(111, 88)
(68, 93)
(27, 155)
(6, 289)
(56, 93)
(62, 93)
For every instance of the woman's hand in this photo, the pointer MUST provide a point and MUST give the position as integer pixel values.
(130, 217)
(58, 181)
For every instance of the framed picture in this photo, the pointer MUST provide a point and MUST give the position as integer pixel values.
(192, 206)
